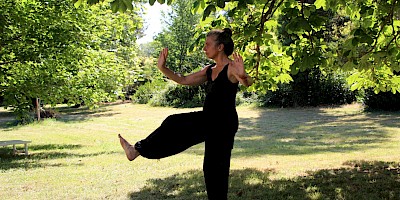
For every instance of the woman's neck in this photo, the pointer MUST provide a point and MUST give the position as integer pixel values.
(221, 60)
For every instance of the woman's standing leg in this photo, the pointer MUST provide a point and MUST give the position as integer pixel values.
(216, 164)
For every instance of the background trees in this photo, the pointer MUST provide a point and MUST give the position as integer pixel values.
(74, 53)
(370, 44)
(178, 36)
(59, 53)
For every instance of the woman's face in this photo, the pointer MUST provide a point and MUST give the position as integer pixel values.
(210, 47)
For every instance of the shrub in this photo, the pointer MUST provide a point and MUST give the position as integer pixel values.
(247, 98)
(382, 101)
(176, 95)
(310, 88)
(145, 92)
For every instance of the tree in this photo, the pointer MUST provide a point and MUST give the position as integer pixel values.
(179, 37)
(49, 50)
(371, 46)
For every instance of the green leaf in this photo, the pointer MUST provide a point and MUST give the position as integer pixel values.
(316, 20)
(355, 86)
(367, 39)
(231, 13)
(151, 2)
(78, 3)
(355, 41)
(346, 53)
(298, 24)
(208, 10)
(359, 32)
(114, 6)
(307, 12)
(221, 3)
(348, 65)
(122, 7)
(161, 1)
(320, 3)
(215, 23)
(128, 4)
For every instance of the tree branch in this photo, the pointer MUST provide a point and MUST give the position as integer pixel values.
(388, 18)
(264, 18)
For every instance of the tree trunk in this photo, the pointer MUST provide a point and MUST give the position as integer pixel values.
(38, 109)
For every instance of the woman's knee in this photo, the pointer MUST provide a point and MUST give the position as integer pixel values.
(169, 120)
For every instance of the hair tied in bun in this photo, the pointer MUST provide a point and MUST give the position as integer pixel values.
(228, 31)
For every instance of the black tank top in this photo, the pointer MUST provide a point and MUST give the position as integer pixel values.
(220, 93)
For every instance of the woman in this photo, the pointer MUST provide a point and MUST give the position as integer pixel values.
(216, 124)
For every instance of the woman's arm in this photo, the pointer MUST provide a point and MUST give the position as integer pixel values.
(193, 79)
(239, 72)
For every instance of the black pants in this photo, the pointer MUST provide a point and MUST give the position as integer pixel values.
(180, 131)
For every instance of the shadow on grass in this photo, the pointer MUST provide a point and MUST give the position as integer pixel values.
(45, 153)
(385, 118)
(360, 180)
(7, 120)
(309, 131)
(64, 114)
(70, 115)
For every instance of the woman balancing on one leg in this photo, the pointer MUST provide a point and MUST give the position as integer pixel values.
(216, 124)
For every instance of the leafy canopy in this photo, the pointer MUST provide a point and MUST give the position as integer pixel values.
(59, 53)
(368, 43)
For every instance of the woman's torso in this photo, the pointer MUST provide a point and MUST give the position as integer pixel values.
(220, 94)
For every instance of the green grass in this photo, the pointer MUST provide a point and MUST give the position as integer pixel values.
(310, 153)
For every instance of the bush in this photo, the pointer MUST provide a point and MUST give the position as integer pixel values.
(179, 96)
(310, 88)
(382, 101)
(247, 98)
(161, 93)
(145, 92)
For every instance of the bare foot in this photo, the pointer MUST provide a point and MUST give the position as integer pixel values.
(130, 151)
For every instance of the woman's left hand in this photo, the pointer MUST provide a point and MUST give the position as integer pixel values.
(239, 71)
(237, 64)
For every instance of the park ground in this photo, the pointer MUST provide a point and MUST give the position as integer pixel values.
(298, 153)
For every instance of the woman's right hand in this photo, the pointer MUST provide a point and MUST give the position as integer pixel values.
(162, 59)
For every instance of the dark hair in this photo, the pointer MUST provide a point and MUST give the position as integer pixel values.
(223, 37)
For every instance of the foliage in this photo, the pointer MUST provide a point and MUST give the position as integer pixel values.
(310, 88)
(382, 101)
(179, 96)
(371, 45)
(117, 33)
(38, 41)
(179, 36)
(56, 52)
(144, 93)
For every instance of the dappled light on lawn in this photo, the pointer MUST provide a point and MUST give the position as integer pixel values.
(357, 180)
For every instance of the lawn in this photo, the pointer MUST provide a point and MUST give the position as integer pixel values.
(305, 153)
